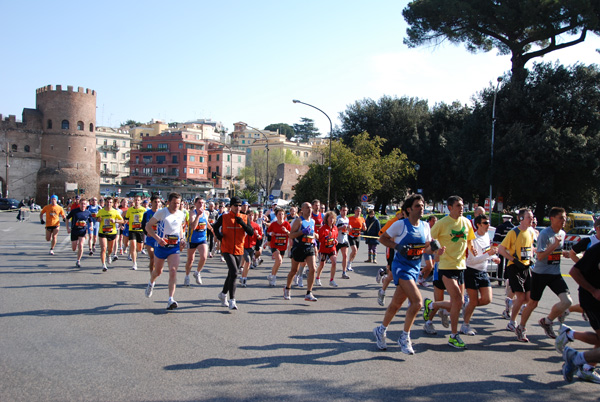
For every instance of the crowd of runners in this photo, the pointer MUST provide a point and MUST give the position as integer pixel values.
(454, 251)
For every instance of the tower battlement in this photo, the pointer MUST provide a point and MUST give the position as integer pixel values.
(70, 88)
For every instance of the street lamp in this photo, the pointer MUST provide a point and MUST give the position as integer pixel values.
(8, 155)
(492, 152)
(417, 167)
(330, 140)
(266, 146)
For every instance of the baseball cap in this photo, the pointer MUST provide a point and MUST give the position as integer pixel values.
(245, 203)
(54, 197)
(235, 200)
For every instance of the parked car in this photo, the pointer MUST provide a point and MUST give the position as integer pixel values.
(8, 203)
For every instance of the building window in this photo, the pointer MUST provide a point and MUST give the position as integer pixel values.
(216, 182)
(209, 169)
(14, 147)
(114, 155)
(104, 155)
(174, 160)
(115, 143)
(180, 145)
(191, 171)
(124, 143)
(202, 159)
(228, 158)
(243, 142)
(185, 158)
(209, 158)
(27, 149)
(123, 156)
(192, 158)
(148, 159)
(297, 153)
(80, 125)
(49, 126)
(306, 154)
(65, 124)
(105, 142)
(149, 146)
(200, 171)
(217, 157)
(161, 159)
(184, 170)
(239, 158)
(91, 128)
(161, 170)
(163, 146)
(137, 160)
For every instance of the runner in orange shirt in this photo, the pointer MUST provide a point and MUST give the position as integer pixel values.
(53, 213)
(357, 225)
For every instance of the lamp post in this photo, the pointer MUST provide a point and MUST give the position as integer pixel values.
(330, 140)
(492, 151)
(8, 155)
(417, 167)
(266, 146)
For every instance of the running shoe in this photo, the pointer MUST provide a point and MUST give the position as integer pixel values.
(522, 308)
(186, 281)
(547, 328)
(405, 344)
(588, 375)
(569, 366)
(380, 334)
(429, 328)
(149, 289)
(349, 267)
(210, 255)
(115, 257)
(421, 282)
(223, 298)
(333, 284)
(286, 294)
(300, 281)
(561, 318)
(232, 305)
(78, 264)
(144, 251)
(521, 334)
(222, 259)
(467, 330)
(110, 259)
(243, 283)
(172, 305)
(511, 326)
(295, 280)
(318, 282)
(51, 252)
(260, 261)
(456, 342)
(272, 280)
(198, 278)
(104, 268)
(427, 309)
(310, 297)
(91, 253)
(134, 267)
(445, 318)
(345, 276)
(381, 297)
(507, 307)
(129, 258)
(379, 275)
(562, 339)
(505, 314)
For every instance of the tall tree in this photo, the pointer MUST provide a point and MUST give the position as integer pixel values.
(525, 29)
(306, 130)
(283, 128)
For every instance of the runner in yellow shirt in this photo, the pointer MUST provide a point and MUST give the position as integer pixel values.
(108, 218)
(134, 217)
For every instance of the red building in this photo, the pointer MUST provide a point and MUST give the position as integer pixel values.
(168, 157)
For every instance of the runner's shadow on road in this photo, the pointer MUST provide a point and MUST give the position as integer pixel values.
(100, 310)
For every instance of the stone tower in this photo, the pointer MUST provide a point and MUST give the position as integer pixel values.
(68, 143)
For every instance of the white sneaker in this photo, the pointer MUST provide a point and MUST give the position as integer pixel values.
(223, 298)
(381, 297)
(104, 268)
(78, 264)
(380, 335)
(405, 344)
(310, 297)
(272, 280)
(445, 318)
(243, 282)
(467, 330)
(149, 289)
(286, 294)
(349, 267)
(318, 282)
(429, 328)
(300, 281)
(588, 375)
(186, 281)
(295, 280)
(232, 305)
(171, 305)
(198, 278)
(134, 267)
(562, 339)
(110, 259)
(222, 259)
(144, 251)
(333, 284)
(51, 252)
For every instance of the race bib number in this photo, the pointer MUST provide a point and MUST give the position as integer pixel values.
(172, 240)
(329, 242)
(525, 254)
(80, 224)
(355, 232)
(136, 224)
(94, 215)
(200, 227)
(280, 240)
(554, 258)
(107, 226)
(415, 251)
(308, 239)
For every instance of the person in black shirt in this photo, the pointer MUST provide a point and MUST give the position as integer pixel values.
(81, 220)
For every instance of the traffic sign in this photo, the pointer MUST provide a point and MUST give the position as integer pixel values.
(364, 198)
(271, 197)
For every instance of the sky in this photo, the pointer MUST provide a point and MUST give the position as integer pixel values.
(236, 60)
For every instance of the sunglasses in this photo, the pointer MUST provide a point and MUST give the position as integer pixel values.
(485, 223)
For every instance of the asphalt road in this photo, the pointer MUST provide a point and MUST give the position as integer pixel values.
(70, 334)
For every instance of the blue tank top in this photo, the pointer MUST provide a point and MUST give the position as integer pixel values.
(306, 240)
(93, 210)
(198, 234)
(415, 239)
